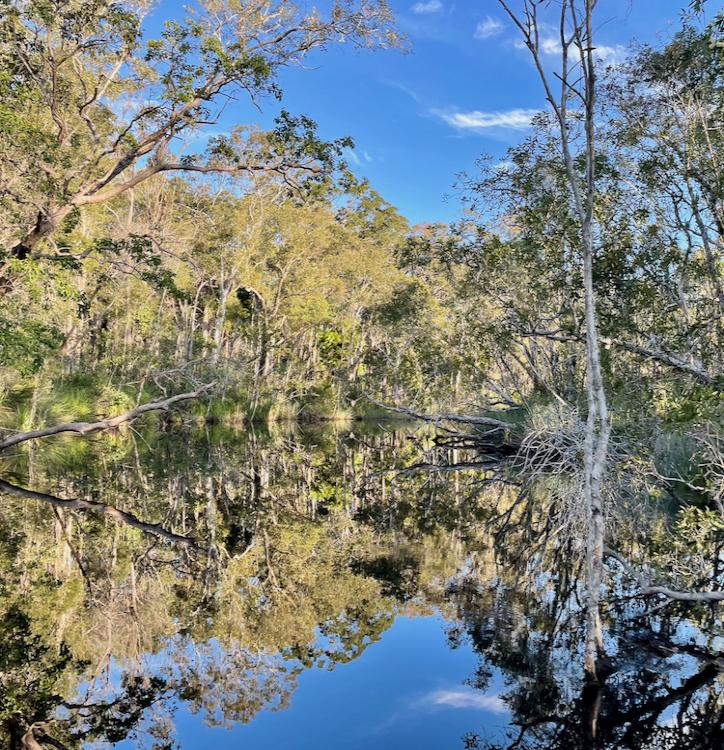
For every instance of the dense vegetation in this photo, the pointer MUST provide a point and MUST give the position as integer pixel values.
(259, 262)
(568, 331)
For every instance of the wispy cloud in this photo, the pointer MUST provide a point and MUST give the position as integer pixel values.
(514, 119)
(405, 90)
(551, 45)
(352, 156)
(432, 6)
(468, 699)
(504, 166)
(614, 55)
(488, 27)
(356, 158)
(203, 136)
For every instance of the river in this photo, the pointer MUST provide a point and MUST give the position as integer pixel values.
(331, 586)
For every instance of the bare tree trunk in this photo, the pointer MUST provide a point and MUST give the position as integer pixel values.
(596, 450)
(218, 333)
(576, 32)
(598, 424)
(712, 262)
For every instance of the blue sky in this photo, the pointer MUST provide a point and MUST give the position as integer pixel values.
(464, 89)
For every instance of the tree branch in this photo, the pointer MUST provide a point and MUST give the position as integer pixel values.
(83, 428)
(647, 588)
(122, 516)
(657, 355)
(443, 416)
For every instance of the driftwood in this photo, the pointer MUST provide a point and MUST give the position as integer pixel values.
(647, 588)
(122, 516)
(84, 428)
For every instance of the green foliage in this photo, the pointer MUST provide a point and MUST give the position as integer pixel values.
(29, 670)
(407, 301)
(700, 529)
(692, 404)
(24, 345)
(146, 259)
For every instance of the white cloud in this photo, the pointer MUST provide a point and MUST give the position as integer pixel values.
(612, 55)
(487, 28)
(468, 699)
(550, 46)
(515, 119)
(202, 136)
(358, 158)
(405, 90)
(432, 6)
(504, 166)
(352, 155)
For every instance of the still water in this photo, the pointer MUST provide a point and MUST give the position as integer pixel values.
(336, 587)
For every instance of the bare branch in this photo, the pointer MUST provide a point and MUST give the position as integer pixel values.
(122, 516)
(443, 416)
(83, 428)
(658, 355)
(647, 588)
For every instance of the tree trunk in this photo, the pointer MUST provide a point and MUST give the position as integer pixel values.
(218, 333)
(576, 31)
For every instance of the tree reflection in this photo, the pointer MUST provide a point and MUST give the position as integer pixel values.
(660, 690)
(212, 570)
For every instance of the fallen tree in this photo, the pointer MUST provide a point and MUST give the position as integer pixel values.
(475, 420)
(84, 428)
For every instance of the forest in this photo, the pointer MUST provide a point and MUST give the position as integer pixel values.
(513, 421)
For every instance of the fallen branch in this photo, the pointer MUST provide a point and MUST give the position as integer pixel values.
(83, 428)
(431, 468)
(122, 516)
(498, 424)
(647, 588)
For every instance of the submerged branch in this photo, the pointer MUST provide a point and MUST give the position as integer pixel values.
(122, 516)
(83, 428)
(450, 468)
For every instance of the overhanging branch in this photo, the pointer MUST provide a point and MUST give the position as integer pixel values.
(83, 428)
(122, 516)
(662, 357)
(497, 424)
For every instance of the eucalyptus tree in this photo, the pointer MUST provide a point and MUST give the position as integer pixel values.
(667, 110)
(92, 107)
(577, 77)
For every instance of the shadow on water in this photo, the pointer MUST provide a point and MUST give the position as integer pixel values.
(150, 595)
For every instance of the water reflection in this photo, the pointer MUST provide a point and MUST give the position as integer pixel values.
(310, 590)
